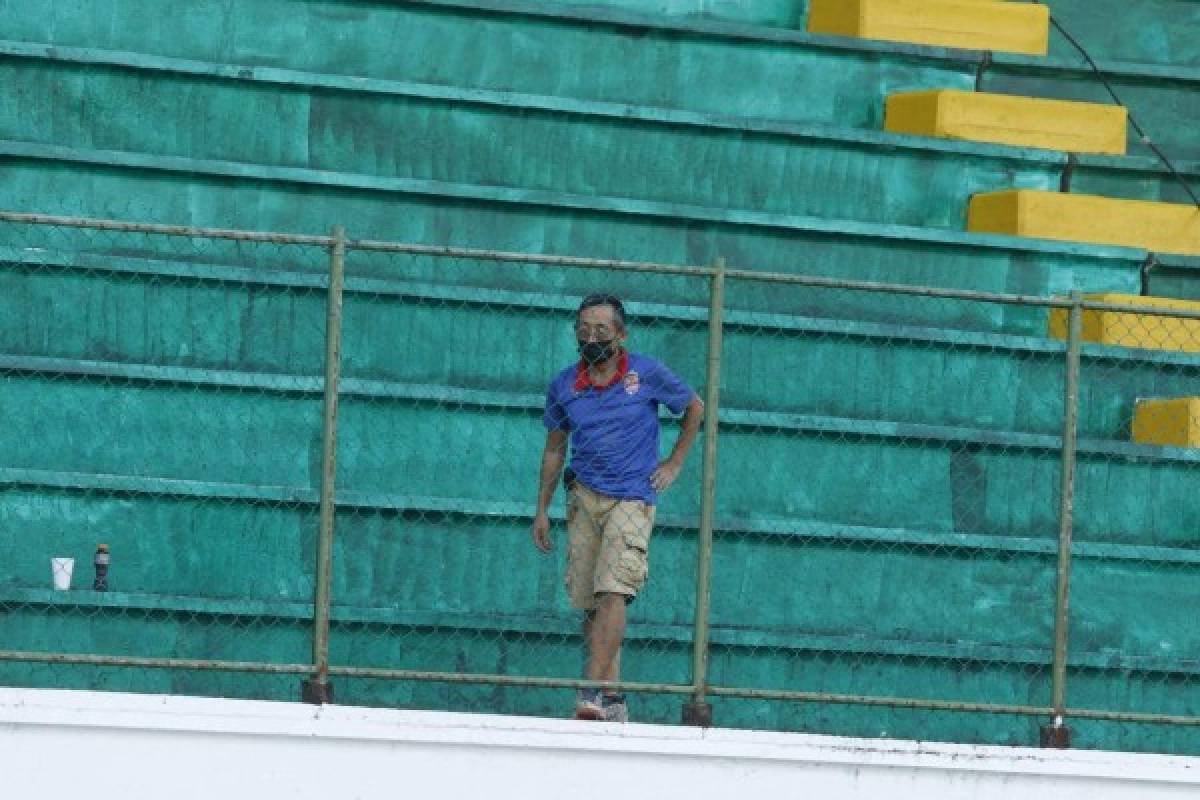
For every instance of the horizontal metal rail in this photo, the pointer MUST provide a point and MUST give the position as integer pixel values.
(507, 256)
(870, 700)
(571, 683)
(154, 663)
(164, 230)
(1133, 716)
(506, 680)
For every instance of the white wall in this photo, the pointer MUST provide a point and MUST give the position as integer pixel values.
(106, 745)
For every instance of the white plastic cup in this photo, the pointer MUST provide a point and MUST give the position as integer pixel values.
(61, 569)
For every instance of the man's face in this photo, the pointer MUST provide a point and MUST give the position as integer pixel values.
(598, 324)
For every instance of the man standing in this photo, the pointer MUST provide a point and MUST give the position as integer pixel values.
(607, 406)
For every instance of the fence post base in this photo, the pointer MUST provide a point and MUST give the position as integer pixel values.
(317, 692)
(697, 714)
(1055, 737)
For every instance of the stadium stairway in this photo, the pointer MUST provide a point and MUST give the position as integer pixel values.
(930, 435)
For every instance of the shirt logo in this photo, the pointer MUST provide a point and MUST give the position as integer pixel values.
(631, 382)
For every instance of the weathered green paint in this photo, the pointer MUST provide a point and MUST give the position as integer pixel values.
(162, 546)
(547, 222)
(564, 56)
(911, 442)
(870, 371)
(1175, 276)
(415, 564)
(594, 55)
(879, 473)
(135, 429)
(459, 142)
(326, 121)
(1164, 101)
(1152, 31)
(1119, 177)
(319, 119)
(775, 13)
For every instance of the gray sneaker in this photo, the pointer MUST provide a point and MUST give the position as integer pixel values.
(588, 705)
(615, 709)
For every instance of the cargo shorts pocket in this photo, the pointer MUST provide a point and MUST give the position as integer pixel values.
(633, 564)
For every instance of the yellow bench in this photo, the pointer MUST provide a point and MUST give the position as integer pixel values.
(1160, 227)
(1007, 119)
(1169, 421)
(973, 24)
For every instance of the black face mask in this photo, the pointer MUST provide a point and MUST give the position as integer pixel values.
(597, 352)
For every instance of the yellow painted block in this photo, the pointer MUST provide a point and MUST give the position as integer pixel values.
(1171, 421)
(1008, 119)
(1147, 331)
(1160, 227)
(973, 24)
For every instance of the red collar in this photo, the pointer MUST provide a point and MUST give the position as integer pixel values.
(583, 380)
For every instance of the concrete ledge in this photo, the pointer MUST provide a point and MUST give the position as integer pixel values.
(133, 746)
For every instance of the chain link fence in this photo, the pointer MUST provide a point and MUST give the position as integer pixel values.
(887, 503)
(162, 397)
(911, 512)
(1137, 518)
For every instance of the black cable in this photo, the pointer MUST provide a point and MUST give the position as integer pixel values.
(1146, 140)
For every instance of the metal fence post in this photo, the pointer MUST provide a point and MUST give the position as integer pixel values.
(318, 689)
(698, 711)
(1057, 734)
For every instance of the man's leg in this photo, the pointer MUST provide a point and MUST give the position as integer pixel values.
(584, 527)
(620, 570)
(605, 630)
(611, 701)
(615, 671)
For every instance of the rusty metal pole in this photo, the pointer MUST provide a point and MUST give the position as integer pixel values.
(698, 711)
(318, 689)
(1057, 734)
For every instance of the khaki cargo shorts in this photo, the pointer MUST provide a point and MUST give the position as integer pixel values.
(607, 542)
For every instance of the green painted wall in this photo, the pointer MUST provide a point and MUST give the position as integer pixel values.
(208, 193)
(550, 55)
(911, 443)
(456, 141)
(1151, 31)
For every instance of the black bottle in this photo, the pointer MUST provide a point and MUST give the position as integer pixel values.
(101, 563)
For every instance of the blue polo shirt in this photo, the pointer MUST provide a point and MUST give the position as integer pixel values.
(614, 428)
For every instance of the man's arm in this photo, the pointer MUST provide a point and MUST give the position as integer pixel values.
(668, 471)
(553, 456)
